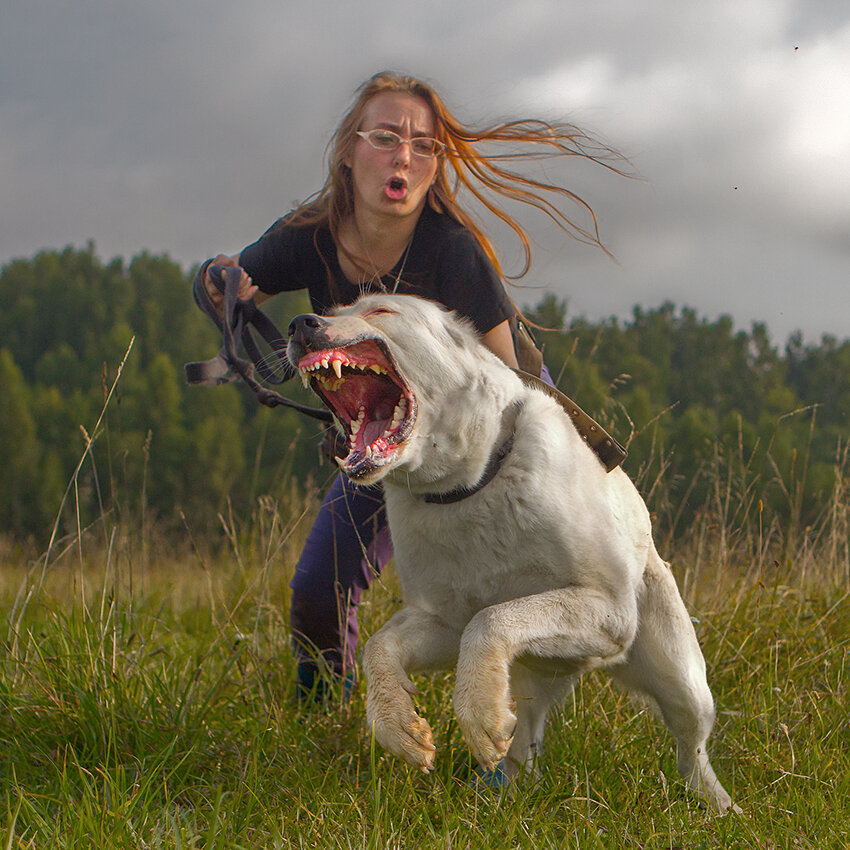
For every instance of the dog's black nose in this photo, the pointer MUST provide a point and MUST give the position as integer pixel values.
(305, 327)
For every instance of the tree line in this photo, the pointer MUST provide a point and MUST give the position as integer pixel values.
(693, 398)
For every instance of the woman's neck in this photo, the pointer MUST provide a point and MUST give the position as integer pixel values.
(376, 242)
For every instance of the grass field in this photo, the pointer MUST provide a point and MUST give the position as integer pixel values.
(147, 701)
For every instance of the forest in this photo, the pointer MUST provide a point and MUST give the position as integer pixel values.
(696, 401)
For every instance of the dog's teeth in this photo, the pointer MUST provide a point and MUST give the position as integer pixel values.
(305, 378)
(399, 413)
(340, 461)
(324, 362)
(368, 451)
(357, 423)
(337, 364)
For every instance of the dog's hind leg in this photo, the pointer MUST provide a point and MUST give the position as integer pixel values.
(666, 663)
(533, 693)
(583, 627)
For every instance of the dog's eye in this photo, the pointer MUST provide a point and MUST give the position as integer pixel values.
(379, 311)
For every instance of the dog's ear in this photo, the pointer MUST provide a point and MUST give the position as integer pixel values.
(459, 330)
(458, 334)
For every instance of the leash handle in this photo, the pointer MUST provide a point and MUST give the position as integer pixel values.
(209, 373)
(235, 325)
(240, 315)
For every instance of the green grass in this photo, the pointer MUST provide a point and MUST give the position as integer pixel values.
(147, 700)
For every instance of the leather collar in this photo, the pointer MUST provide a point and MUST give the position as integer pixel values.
(460, 493)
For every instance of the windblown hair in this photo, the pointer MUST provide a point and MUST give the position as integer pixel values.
(465, 166)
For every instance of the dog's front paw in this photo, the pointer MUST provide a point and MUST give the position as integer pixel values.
(400, 730)
(487, 724)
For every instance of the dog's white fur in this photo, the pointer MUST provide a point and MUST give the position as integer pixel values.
(547, 572)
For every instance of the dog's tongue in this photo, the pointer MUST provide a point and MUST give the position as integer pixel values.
(382, 413)
(373, 430)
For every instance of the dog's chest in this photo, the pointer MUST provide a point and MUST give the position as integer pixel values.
(455, 561)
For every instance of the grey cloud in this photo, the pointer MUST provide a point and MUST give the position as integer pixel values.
(187, 128)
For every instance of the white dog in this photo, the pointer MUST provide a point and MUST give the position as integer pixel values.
(522, 561)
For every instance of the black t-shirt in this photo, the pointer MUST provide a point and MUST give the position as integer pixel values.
(444, 263)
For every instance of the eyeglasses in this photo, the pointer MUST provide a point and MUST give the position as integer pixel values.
(387, 140)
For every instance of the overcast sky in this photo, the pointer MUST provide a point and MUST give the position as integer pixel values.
(187, 127)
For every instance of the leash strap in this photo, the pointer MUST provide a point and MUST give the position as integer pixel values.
(609, 450)
(227, 366)
(235, 327)
(243, 315)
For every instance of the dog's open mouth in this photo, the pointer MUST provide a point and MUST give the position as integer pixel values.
(363, 389)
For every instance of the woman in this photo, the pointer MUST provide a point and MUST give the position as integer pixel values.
(388, 218)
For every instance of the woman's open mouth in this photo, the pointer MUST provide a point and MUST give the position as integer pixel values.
(396, 188)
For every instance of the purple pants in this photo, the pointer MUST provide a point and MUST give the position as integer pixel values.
(346, 549)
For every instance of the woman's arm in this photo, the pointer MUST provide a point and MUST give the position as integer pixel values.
(467, 282)
(501, 342)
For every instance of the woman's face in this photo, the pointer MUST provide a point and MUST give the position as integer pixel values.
(396, 182)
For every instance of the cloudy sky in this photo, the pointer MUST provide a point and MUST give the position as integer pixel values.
(187, 127)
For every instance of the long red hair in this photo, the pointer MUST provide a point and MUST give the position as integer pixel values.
(463, 166)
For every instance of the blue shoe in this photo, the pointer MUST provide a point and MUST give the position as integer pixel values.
(313, 686)
(490, 780)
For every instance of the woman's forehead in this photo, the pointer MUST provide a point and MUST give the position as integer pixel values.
(398, 110)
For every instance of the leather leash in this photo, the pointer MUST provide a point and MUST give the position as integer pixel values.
(227, 366)
(235, 327)
(609, 450)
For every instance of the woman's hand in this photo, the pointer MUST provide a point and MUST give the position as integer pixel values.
(247, 290)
